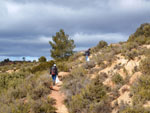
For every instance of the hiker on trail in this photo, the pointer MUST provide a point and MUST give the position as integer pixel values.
(87, 54)
(54, 73)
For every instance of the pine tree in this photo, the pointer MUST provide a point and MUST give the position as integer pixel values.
(62, 46)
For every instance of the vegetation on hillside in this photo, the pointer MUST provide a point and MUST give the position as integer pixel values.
(91, 95)
(24, 92)
(142, 35)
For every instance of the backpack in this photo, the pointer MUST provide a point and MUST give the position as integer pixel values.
(53, 71)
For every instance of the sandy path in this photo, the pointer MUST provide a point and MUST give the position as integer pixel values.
(59, 97)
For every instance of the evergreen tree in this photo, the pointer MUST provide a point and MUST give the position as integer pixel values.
(62, 46)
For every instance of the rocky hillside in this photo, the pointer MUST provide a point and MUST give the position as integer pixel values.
(116, 79)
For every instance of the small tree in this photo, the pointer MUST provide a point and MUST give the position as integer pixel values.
(6, 60)
(62, 46)
(102, 44)
(42, 59)
(23, 58)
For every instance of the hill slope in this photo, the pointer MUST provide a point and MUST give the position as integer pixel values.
(116, 79)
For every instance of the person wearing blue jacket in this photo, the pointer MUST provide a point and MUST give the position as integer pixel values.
(87, 54)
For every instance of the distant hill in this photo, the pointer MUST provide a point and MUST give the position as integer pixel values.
(2, 63)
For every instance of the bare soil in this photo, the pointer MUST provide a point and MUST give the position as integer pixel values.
(59, 97)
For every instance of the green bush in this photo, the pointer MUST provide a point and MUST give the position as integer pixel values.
(130, 45)
(62, 66)
(142, 34)
(141, 90)
(39, 91)
(19, 107)
(92, 99)
(102, 44)
(135, 110)
(104, 56)
(76, 80)
(117, 79)
(40, 87)
(18, 93)
(43, 105)
(73, 84)
(42, 59)
(42, 66)
(131, 54)
(99, 46)
(12, 80)
(144, 65)
(28, 96)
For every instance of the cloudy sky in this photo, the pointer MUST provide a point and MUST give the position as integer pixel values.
(26, 26)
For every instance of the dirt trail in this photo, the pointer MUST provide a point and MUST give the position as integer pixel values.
(59, 97)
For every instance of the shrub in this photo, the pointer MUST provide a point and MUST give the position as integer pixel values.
(129, 46)
(117, 79)
(99, 46)
(76, 80)
(102, 44)
(18, 93)
(39, 91)
(99, 59)
(43, 105)
(92, 99)
(62, 66)
(138, 109)
(74, 83)
(40, 87)
(141, 40)
(28, 96)
(142, 35)
(104, 56)
(144, 65)
(101, 107)
(141, 90)
(11, 80)
(20, 107)
(42, 66)
(89, 65)
(42, 59)
(115, 49)
(131, 54)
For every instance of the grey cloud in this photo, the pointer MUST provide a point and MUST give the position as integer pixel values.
(28, 47)
(44, 19)
(67, 3)
(27, 20)
(25, 50)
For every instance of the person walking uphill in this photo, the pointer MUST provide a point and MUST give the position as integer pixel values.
(87, 54)
(54, 73)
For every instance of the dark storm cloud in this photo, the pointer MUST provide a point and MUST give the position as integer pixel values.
(28, 25)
